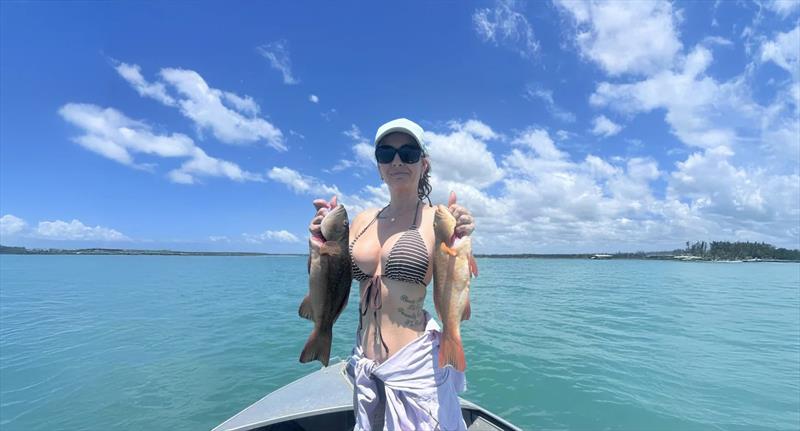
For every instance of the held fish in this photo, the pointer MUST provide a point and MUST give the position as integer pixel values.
(329, 279)
(453, 266)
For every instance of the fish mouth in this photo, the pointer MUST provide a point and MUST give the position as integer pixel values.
(318, 239)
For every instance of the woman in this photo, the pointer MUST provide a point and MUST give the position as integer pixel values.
(398, 384)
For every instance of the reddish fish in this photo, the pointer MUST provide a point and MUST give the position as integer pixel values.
(329, 280)
(453, 266)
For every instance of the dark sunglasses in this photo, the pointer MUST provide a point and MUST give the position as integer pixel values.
(408, 153)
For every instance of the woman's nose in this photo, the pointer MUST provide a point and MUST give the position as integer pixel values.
(396, 160)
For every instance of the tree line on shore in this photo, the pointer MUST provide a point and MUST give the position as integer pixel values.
(724, 250)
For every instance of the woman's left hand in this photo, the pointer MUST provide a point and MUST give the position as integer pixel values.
(465, 224)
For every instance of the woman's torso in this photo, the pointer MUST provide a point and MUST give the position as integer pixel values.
(400, 318)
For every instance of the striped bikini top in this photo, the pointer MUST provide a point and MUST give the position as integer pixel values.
(408, 259)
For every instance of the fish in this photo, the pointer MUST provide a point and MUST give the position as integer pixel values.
(453, 268)
(329, 280)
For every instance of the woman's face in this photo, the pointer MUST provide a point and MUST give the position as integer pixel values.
(398, 174)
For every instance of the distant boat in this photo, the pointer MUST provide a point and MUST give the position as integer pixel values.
(601, 256)
(323, 400)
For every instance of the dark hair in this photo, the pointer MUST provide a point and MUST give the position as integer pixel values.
(424, 186)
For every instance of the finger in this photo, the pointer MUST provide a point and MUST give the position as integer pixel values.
(452, 199)
(322, 211)
(320, 203)
(333, 202)
(317, 219)
(464, 219)
(454, 209)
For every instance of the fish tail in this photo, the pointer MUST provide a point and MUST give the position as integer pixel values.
(451, 352)
(318, 347)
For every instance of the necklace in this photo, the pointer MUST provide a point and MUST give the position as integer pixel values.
(392, 219)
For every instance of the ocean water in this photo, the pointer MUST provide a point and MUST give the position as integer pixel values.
(183, 343)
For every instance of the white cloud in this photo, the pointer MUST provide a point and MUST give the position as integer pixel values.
(698, 108)
(605, 127)
(278, 55)
(203, 105)
(784, 51)
(313, 98)
(300, 183)
(536, 92)
(232, 119)
(625, 37)
(77, 231)
(505, 25)
(11, 225)
(363, 157)
(111, 134)
(270, 235)
(133, 74)
(219, 238)
(784, 8)
(462, 155)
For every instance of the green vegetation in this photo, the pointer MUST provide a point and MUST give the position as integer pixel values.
(723, 250)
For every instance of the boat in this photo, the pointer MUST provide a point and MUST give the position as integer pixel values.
(323, 400)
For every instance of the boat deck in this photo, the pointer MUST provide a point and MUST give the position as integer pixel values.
(323, 400)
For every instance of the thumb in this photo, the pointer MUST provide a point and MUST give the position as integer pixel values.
(452, 199)
(333, 202)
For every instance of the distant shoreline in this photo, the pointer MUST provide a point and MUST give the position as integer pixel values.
(667, 256)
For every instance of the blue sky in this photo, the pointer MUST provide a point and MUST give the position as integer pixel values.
(563, 126)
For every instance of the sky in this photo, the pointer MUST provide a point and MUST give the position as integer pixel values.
(563, 126)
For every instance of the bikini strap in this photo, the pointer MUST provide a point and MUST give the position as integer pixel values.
(414, 224)
(368, 225)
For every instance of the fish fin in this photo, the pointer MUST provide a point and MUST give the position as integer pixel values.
(447, 249)
(318, 347)
(305, 310)
(467, 311)
(330, 248)
(451, 352)
(473, 265)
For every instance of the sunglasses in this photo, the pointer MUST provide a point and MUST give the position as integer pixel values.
(408, 153)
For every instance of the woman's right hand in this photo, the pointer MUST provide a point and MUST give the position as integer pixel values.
(323, 207)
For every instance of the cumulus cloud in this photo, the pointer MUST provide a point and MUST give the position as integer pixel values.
(505, 25)
(313, 98)
(231, 118)
(462, 154)
(605, 127)
(636, 37)
(77, 231)
(11, 225)
(698, 107)
(111, 134)
(278, 55)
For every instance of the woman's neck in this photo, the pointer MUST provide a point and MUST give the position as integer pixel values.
(402, 203)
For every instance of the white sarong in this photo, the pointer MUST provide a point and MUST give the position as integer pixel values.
(408, 391)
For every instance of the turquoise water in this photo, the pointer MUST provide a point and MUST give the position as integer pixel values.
(159, 342)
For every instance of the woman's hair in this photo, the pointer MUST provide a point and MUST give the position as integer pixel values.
(424, 186)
